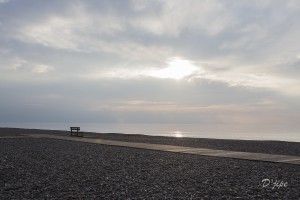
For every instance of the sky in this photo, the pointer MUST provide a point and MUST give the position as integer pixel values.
(140, 61)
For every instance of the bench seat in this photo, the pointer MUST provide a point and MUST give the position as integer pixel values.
(76, 131)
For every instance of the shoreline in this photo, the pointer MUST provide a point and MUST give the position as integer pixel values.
(95, 134)
(169, 130)
(255, 146)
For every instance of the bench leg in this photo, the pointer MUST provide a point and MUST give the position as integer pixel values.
(76, 133)
(79, 134)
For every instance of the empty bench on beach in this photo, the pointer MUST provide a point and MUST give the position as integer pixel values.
(76, 131)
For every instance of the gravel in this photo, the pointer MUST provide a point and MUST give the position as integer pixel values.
(56, 169)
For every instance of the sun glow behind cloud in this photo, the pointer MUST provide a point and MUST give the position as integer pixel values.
(177, 68)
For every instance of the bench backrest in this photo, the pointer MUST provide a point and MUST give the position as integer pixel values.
(75, 128)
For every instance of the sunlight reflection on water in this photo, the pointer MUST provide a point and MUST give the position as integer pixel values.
(178, 134)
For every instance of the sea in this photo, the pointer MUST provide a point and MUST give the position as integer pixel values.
(172, 130)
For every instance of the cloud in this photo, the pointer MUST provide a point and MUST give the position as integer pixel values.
(12, 63)
(175, 68)
(171, 18)
(40, 69)
(4, 1)
(181, 69)
(75, 29)
(251, 35)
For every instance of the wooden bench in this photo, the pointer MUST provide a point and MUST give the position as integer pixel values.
(76, 131)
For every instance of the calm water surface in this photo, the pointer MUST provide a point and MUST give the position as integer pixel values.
(174, 130)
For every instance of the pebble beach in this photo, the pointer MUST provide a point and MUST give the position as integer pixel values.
(40, 168)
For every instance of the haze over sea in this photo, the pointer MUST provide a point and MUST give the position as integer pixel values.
(171, 130)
